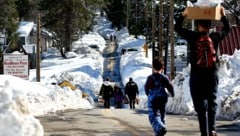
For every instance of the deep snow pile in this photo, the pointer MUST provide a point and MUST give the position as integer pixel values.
(228, 93)
(21, 100)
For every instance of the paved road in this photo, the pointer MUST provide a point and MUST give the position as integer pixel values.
(122, 122)
(111, 63)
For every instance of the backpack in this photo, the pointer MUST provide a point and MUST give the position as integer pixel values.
(159, 86)
(205, 52)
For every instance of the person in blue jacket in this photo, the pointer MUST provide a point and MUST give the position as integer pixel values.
(157, 88)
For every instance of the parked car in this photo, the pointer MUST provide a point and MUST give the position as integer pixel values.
(94, 46)
(181, 42)
(181, 47)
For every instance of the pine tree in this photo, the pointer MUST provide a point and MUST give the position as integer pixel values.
(233, 7)
(8, 24)
(24, 8)
(9, 20)
(66, 18)
(115, 12)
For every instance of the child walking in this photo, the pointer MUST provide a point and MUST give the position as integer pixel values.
(157, 97)
(118, 94)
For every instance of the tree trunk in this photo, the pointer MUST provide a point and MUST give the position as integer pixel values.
(67, 25)
(62, 52)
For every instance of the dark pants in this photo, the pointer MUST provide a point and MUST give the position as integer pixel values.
(156, 112)
(132, 103)
(118, 104)
(106, 102)
(203, 88)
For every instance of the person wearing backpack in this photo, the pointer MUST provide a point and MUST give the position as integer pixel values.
(204, 62)
(155, 88)
(106, 92)
(131, 90)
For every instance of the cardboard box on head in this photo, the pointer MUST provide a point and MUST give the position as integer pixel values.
(198, 13)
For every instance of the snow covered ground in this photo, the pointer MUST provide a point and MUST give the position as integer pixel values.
(22, 100)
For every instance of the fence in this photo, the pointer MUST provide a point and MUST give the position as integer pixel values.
(231, 42)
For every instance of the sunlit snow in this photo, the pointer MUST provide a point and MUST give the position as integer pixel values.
(22, 100)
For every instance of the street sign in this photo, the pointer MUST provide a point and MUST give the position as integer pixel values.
(16, 65)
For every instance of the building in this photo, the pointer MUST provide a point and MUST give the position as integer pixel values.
(28, 40)
(28, 35)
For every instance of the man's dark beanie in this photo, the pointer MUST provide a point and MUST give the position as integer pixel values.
(204, 23)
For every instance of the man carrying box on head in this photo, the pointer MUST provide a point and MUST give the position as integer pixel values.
(204, 67)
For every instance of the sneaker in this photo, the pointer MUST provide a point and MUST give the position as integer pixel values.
(162, 132)
(213, 133)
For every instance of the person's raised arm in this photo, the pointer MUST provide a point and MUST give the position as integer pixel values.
(226, 26)
(185, 33)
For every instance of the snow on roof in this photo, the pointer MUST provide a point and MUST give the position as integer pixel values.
(25, 28)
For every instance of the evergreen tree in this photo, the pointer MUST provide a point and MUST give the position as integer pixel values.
(115, 12)
(9, 20)
(8, 25)
(24, 8)
(136, 17)
(66, 18)
(234, 7)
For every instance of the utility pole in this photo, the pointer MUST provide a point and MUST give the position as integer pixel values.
(173, 69)
(136, 14)
(153, 29)
(161, 44)
(127, 14)
(160, 29)
(146, 27)
(38, 49)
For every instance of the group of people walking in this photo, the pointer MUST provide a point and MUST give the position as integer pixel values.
(113, 95)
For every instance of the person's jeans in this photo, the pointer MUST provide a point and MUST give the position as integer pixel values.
(156, 112)
(203, 90)
(112, 101)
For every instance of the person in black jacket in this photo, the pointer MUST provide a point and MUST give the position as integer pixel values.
(106, 92)
(203, 81)
(131, 90)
